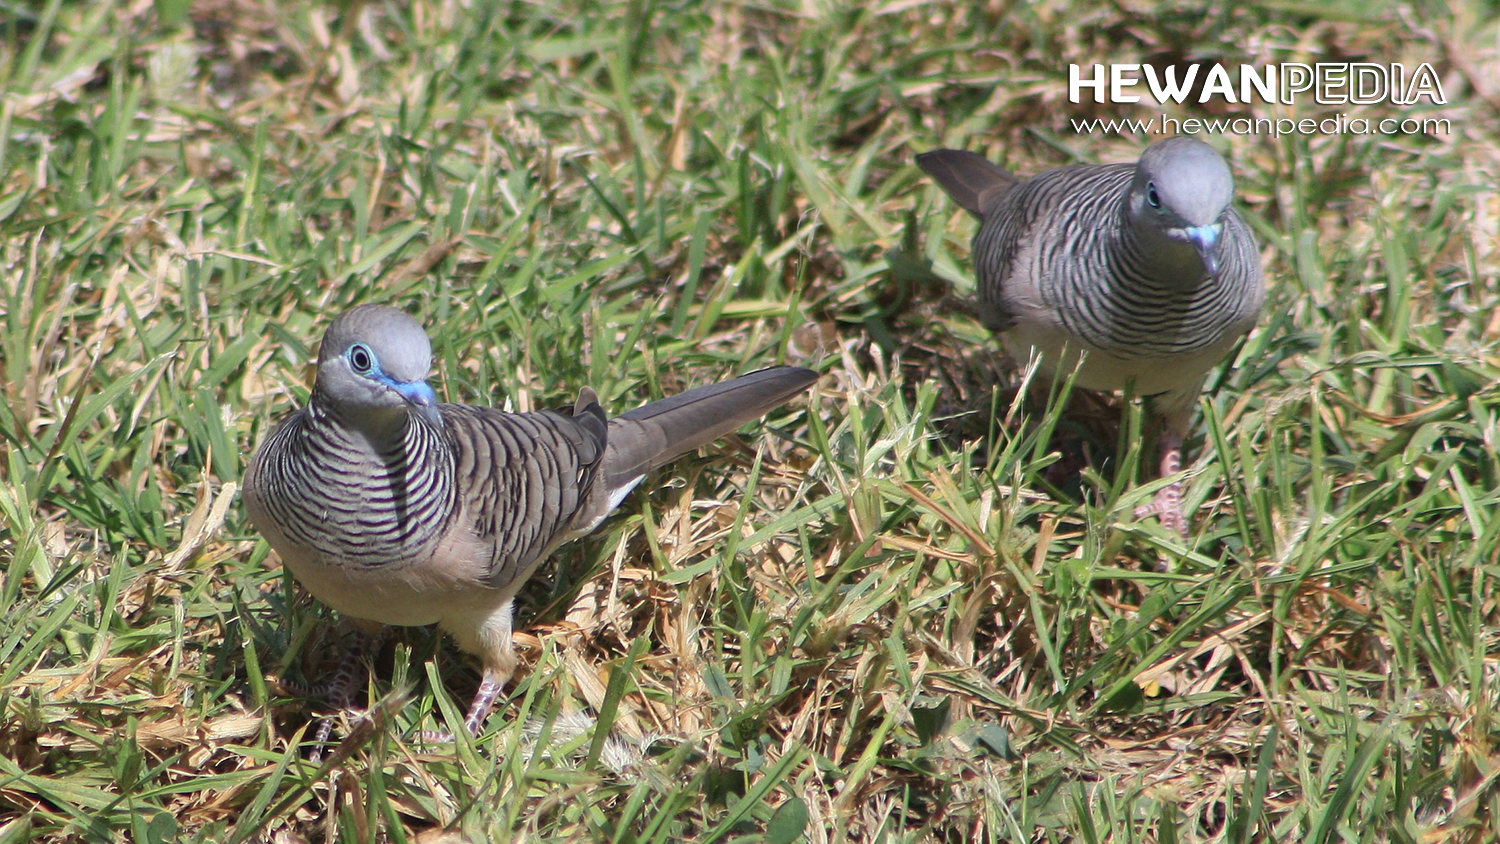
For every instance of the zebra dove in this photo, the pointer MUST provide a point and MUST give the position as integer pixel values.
(1143, 271)
(397, 510)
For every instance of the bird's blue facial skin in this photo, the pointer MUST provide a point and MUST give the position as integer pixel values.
(1205, 240)
(419, 397)
(415, 392)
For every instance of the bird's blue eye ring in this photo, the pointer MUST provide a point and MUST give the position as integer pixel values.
(1151, 196)
(361, 359)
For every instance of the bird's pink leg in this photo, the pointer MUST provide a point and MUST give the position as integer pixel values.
(1168, 503)
(493, 640)
(1175, 412)
(484, 700)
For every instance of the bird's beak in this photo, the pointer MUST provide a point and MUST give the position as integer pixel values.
(1205, 241)
(422, 401)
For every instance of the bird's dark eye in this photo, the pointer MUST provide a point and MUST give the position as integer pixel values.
(361, 359)
(1151, 196)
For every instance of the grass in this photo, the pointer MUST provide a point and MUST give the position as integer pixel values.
(904, 610)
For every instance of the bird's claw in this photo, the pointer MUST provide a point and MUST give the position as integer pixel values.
(1167, 507)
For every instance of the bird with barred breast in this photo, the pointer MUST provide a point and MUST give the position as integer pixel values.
(395, 509)
(1140, 275)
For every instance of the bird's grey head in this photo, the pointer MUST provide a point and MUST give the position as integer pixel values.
(373, 364)
(1182, 189)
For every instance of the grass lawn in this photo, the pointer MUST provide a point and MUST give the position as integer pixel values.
(905, 608)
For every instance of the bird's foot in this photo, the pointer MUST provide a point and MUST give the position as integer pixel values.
(1167, 507)
(479, 710)
(337, 693)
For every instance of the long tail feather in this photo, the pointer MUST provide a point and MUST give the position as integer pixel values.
(651, 436)
(971, 179)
